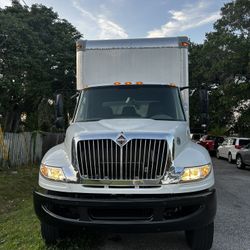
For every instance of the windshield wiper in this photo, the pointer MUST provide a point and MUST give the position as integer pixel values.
(90, 120)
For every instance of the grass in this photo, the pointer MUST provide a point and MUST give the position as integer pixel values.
(19, 226)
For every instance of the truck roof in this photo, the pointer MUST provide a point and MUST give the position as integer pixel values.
(132, 83)
(167, 42)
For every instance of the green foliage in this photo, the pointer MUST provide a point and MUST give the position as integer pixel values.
(235, 18)
(222, 64)
(37, 58)
(218, 131)
(20, 228)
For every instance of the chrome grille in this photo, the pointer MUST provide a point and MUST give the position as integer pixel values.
(138, 159)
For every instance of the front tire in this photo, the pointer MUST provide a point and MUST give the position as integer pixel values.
(202, 238)
(230, 158)
(239, 163)
(50, 234)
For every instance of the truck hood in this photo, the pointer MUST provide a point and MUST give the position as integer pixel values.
(178, 129)
(126, 125)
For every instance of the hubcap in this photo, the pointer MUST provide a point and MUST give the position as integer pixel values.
(239, 162)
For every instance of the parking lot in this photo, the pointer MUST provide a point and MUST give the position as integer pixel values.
(232, 223)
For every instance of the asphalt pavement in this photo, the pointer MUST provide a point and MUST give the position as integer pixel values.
(232, 223)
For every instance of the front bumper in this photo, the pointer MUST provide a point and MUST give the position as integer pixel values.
(137, 213)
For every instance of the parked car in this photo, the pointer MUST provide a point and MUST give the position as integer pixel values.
(211, 142)
(243, 157)
(230, 147)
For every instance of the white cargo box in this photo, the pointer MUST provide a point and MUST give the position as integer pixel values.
(151, 60)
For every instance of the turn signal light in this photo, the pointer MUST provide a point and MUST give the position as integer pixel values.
(172, 84)
(184, 44)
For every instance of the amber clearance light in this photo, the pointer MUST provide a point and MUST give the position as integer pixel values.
(128, 83)
(139, 83)
(184, 44)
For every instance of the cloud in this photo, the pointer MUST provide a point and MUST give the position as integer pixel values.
(106, 28)
(110, 29)
(4, 3)
(190, 17)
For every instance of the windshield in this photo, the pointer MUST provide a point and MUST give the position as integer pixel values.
(159, 102)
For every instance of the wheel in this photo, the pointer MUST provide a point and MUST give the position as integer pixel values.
(50, 234)
(217, 154)
(202, 238)
(230, 159)
(239, 163)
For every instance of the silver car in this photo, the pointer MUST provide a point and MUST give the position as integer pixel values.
(230, 147)
(243, 157)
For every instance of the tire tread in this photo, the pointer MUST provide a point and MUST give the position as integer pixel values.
(50, 234)
(202, 238)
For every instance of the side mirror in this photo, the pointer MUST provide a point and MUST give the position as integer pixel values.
(59, 123)
(59, 105)
(59, 112)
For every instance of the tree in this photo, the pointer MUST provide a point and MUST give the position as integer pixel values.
(37, 58)
(222, 63)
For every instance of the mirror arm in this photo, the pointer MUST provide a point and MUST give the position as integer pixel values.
(182, 88)
(75, 95)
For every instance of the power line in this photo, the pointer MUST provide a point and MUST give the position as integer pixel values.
(25, 3)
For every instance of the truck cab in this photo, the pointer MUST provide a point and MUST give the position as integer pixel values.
(127, 162)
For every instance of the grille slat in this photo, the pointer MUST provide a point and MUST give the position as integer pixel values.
(116, 160)
(98, 158)
(112, 161)
(130, 165)
(94, 158)
(157, 161)
(89, 158)
(135, 158)
(103, 160)
(107, 155)
(162, 157)
(153, 157)
(138, 159)
(144, 160)
(149, 153)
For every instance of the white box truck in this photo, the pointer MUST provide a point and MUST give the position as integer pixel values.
(127, 162)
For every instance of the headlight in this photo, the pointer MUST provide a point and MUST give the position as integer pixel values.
(53, 173)
(195, 173)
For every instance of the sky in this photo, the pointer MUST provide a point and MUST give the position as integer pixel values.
(109, 19)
